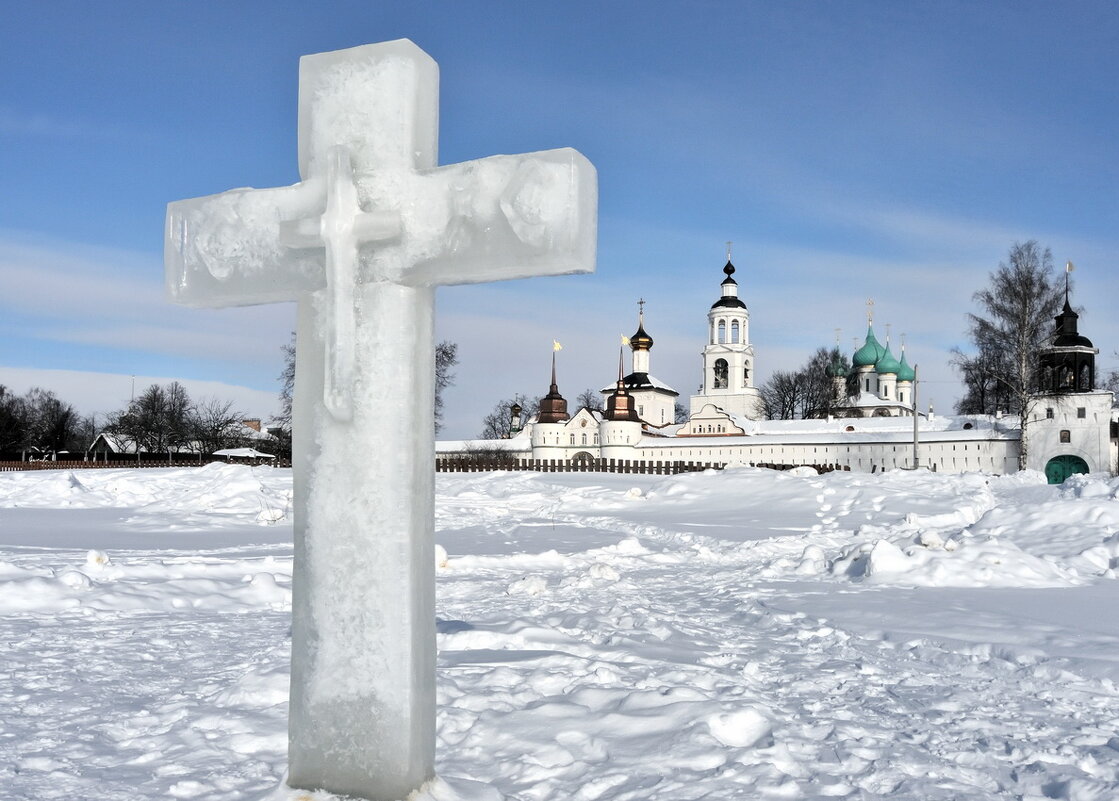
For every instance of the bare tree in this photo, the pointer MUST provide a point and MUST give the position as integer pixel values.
(446, 357)
(287, 383)
(590, 399)
(1015, 316)
(13, 421)
(156, 421)
(214, 424)
(819, 397)
(783, 395)
(498, 423)
(1111, 383)
(806, 392)
(680, 413)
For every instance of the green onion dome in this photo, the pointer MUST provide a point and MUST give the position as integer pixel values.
(905, 372)
(887, 363)
(869, 354)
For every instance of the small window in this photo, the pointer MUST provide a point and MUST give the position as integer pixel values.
(968, 426)
(1081, 412)
(722, 331)
(1049, 414)
(849, 428)
(734, 332)
(1065, 435)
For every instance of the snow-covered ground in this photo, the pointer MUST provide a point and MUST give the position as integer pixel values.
(743, 634)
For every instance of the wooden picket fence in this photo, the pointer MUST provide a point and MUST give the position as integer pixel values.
(6, 467)
(480, 463)
(452, 464)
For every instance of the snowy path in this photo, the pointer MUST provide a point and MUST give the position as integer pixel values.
(730, 636)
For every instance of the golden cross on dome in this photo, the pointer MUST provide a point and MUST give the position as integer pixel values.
(869, 311)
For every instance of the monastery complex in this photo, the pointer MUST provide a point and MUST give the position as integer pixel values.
(874, 424)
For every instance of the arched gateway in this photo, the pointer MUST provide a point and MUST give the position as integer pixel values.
(1059, 468)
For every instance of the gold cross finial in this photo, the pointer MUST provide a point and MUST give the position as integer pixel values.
(641, 308)
(869, 311)
(729, 243)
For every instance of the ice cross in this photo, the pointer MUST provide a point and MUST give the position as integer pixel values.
(360, 243)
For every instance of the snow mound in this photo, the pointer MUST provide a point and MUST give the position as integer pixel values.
(744, 728)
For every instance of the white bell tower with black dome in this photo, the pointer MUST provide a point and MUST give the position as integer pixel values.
(728, 358)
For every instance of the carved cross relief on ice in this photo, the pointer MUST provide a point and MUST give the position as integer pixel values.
(360, 243)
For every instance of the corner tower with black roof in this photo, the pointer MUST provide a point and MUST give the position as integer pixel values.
(1068, 362)
(728, 358)
(1070, 420)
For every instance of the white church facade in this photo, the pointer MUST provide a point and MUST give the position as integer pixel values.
(875, 425)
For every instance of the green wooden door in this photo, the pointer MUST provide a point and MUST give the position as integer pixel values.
(1061, 467)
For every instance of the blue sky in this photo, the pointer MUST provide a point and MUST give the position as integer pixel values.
(849, 149)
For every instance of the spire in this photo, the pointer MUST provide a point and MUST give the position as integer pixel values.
(619, 406)
(1068, 269)
(553, 406)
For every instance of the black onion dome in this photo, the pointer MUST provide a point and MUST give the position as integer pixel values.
(729, 270)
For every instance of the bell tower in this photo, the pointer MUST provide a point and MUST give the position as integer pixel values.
(728, 358)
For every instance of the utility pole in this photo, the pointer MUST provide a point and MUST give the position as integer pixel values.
(916, 420)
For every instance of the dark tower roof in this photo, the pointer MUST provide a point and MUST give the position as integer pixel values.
(730, 291)
(619, 406)
(1065, 333)
(553, 406)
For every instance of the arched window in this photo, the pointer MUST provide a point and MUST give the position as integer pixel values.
(734, 331)
(721, 371)
(722, 331)
(572, 439)
(746, 373)
(584, 439)
(1084, 383)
